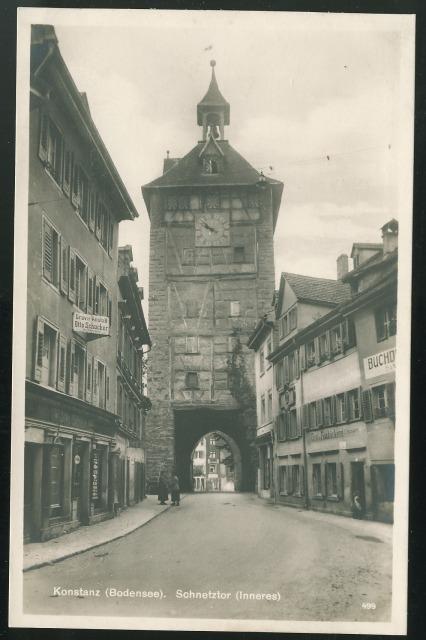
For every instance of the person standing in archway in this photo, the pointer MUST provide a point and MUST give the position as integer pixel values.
(175, 490)
(163, 489)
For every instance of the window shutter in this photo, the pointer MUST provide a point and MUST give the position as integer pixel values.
(390, 399)
(109, 310)
(67, 173)
(89, 290)
(71, 366)
(317, 350)
(332, 409)
(305, 411)
(38, 354)
(319, 412)
(95, 389)
(62, 363)
(72, 275)
(47, 251)
(89, 377)
(44, 136)
(286, 372)
(361, 409)
(367, 407)
(346, 407)
(64, 266)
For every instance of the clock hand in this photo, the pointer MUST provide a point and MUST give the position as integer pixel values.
(207, 226)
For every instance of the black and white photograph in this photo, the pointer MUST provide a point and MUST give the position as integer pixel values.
(211, 332)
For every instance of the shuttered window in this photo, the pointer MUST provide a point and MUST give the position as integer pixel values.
(51, 253)
(51, 147)
(62, 363)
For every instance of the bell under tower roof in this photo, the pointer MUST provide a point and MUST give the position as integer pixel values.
(213, 102)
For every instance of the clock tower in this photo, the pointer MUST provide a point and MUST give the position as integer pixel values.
(211, 277)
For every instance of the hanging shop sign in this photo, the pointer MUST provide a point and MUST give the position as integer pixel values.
(87, 323)
(380, 363)
(95, 475)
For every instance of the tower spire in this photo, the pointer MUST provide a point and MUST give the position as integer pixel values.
(213, 110)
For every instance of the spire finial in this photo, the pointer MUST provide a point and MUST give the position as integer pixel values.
(212, 63)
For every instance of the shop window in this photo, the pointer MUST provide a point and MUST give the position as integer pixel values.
(283, 480)
(51, 148)
(80, 284)
(235, 309)
(316, 480)
(385, 322)
(340, 408)
(51, 253)
(331, 479)
(239, 254)
(56, 479)
(354, 404)
(191, 380)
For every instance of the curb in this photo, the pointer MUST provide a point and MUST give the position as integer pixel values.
(47, 563)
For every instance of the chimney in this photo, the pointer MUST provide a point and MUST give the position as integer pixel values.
(390, 236)
(169, 162)
(342, 266)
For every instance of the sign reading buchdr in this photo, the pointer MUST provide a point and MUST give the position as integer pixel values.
(90, 324)
(379, 363)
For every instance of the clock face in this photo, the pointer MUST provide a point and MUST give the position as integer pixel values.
(212, 229)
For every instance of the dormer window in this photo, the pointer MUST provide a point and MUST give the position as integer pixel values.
(210, 166)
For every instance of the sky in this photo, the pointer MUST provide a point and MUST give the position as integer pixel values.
(316, 101)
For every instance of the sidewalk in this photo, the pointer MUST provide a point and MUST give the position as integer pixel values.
(38, 554)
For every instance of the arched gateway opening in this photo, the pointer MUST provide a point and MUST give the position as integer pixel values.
(193, 425)
(216, 464)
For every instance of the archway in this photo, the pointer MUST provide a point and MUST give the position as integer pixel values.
(193, 424)
(216, 464)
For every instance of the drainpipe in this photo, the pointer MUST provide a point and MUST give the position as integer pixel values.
(305, 456)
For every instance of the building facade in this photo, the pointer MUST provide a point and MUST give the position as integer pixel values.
(132, 404)
(211, 272)
(76, 201)
(334, 386)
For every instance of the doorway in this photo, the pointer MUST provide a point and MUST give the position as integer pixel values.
(358, 488)
(77, 466)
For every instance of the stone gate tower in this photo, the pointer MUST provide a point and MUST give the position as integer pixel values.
(211, 276)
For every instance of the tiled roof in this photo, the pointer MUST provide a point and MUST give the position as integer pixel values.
(188, 171)
(307, 288)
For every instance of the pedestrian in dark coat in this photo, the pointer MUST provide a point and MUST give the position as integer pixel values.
(175, 490)
(163, 489)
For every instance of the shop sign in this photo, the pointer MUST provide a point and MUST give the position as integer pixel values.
(380, 363)
(95, 475)
(87, 323)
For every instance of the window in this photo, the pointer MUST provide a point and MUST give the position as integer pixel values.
(82, 188)
(46, 354)
(380, 401)
(101, 385)
(292, 318)
(385, 322)
(191, 380)
(79, 362)
(239, 254)
(313, 415)
(212, 454)
(327, 411)
(340, 408)
(336, 340)
(262, 409)
(51, 253)
(291, 367)
(212, 441)
(51, 148)
(192, 344)
(295, 479)
(188, 256)
(269, 415)
(261, 360)
(323, 346)
(354, 404)
(235, 308)
(316, 480)
(310, 353)
(284, 326)
(384, 482)
(80, 284)
(212, 469)
(280, 374)
(331, 479)
(282, 423)
(101, 300)
(293, 431)
(283, 480)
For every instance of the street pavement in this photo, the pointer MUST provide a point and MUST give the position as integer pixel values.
(227, 555)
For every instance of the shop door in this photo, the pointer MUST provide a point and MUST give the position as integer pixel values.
(28, 492)
(77, 464)
(358, 486)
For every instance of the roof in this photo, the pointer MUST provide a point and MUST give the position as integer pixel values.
(213, 98)
(375, 246)
(263, 327)
(46, 56)
(318, 290)
(188, 172)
